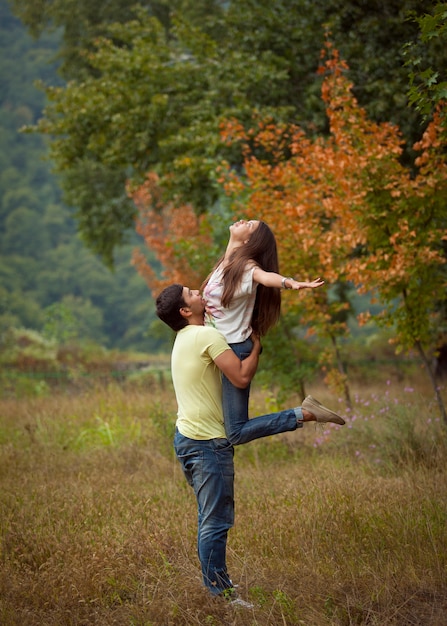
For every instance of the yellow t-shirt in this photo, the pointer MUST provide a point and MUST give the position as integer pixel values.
(197, 382)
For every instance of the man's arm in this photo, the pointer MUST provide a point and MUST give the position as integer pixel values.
(239, 372)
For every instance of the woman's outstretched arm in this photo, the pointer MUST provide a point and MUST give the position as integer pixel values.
(271, 279)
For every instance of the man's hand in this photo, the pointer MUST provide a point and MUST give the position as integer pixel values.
(256, 342)
(238, 372)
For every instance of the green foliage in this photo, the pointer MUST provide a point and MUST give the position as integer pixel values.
(83, 21)
(427, 60)
(72, 318)
(24, 233)
(17, 308)
(43, 264)
(26, 349)
(411, 283)
(24, 387)
(148, 91)
(288, 361)
(105, 433)
(149, 87)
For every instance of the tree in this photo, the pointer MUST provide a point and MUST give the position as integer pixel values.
(180, 240)
(43, 261)
(73, 319)
(149, 93)
(428, 94)
(81, 22)
(427, 64)
(347, 208)
(344, 206)
(24, 234)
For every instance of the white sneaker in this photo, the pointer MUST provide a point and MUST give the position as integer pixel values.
(242, 603)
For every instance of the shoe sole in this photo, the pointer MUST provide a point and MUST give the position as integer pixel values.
(322, 413)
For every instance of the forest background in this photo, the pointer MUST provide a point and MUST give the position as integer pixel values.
(178, 118)
(48, 278)
(177, 71)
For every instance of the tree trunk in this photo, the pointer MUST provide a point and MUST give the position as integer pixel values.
(341, 369)
(433, 381)
(288, 334)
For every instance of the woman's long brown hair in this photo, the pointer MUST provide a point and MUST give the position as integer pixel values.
(261, 250)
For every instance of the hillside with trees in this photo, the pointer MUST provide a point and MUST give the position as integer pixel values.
(49, 280)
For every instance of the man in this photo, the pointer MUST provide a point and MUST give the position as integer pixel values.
(199, 355)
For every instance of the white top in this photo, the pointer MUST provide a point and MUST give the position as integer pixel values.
(234, 321)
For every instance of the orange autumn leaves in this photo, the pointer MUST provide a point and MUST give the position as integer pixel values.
(341, 206)
(176, 236)
(344, 207)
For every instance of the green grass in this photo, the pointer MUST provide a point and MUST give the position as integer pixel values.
(333, 526)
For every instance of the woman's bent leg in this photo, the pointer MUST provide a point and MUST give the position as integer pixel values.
(271, 424)
(238, 427)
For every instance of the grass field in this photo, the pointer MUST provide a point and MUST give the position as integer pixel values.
(339, 526)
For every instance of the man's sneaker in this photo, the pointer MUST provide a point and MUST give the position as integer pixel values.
(238, 602)
(322, 413)
(235, 600)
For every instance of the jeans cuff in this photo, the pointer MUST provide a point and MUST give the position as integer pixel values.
(299, 416)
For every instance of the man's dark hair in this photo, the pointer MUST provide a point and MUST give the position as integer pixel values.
(168, 304)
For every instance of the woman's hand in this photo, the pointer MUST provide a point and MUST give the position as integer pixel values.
(272, 279)
(290, 283)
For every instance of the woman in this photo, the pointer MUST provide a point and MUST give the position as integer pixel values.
(242, 296)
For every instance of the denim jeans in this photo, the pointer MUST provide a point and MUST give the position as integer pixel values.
(238, 428)
(209, 468)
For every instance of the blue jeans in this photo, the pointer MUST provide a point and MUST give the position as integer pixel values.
(209, 468)
(238, 428)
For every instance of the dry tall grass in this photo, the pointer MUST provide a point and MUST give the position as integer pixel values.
(343, 526)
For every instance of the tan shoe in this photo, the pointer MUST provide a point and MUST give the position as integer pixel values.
(322, 413)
